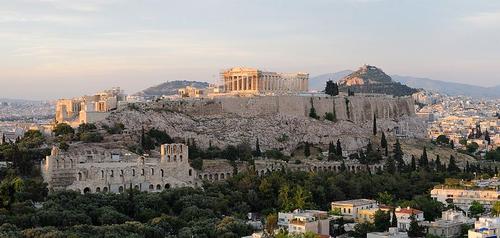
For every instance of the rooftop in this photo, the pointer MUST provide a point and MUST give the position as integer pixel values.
(355, 202)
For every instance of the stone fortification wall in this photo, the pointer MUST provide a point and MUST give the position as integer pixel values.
(355, 108)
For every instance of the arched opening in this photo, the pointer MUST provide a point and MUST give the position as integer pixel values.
(136, 187)
(158, 187)
(80, 176)
(222, 176)
(228, 175)
(102, 173)
(175, 158)
(167, 186)
(86, 190)
(57, 163)
(105, 189)
(216, 177)
(98, 189)
(142, 172)
(112, 173)
(162, 173)
(133, 172)
(151, 187)
(63, 165)
(210, 177)
(180, 158)
(190, 172)
(205, 176)
(71, 163)
(200, 177)
(152, 171)
(120, 189)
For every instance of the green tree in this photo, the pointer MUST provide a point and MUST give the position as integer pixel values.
(415, 230)
(307, 149)
(63, 129)
(495, 210)
(398, 155)
(385, 198)
(476, 208)
(413, 165)
(443, 140)
(424, 161)
(271, 223)
(374, 125)
(472, 147)
(331, 151)
(382, 220)
(331, 88)
(257, 152)
(338, 149)
(452, 166)
(312, 111)
(329, 116)
(390, 166)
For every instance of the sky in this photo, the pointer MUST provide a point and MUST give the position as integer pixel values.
(53, 49)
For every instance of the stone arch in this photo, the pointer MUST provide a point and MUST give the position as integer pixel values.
(80, 176)
(120, 189)
(151, 187)
(180, 158)
(222, 176)
(105, 189)
(136, 187)
(210, 176)
(168, 158)
(86, 190)
(228, 175)
(158, 187)
(167, 186)
(98, 190)
(216, 177)
(200, 177)
(175, 158)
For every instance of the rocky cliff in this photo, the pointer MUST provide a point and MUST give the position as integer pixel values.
(279, 122)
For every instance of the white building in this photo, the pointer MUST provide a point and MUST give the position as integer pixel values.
(392, 233)
(404, 217)
(464, 196)
(485, 227)
(450, 224)
(298, 221)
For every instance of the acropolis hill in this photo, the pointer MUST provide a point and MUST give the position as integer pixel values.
(280, 122)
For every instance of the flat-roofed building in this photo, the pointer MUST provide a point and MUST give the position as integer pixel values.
(450, 224)
(485, 227)
(302, 221)
(463, 196)
(404, 217)
(350, 208)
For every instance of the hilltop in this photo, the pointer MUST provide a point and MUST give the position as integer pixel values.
(370, 79)
(170, 88)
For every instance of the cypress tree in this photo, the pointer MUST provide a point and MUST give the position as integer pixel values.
(398, 155)
(257, 148)
(338, 150)
(452, 166)
(487, 137)
(424, 161)
(394, 221)
(438, 164)
(383, 141)
(413, 165)
(331, 150)
(374, 125)
(390, 165)
(3, 139)
(307, 150)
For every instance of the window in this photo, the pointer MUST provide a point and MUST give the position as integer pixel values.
(112, 173)
(190, 172)
(133, 172)
(152, 171)
(102, 174)
(162, 173)
(79, 176)
(142, 172)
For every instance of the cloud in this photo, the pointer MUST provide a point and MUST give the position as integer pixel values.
(484, 19)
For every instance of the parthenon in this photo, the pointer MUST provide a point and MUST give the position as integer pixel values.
(251, 80)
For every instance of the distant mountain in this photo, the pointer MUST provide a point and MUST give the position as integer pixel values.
(170, 88)
(318, 83)
(370, 79)
(449, 87)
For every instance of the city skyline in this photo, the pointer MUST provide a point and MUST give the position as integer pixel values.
(53, 49)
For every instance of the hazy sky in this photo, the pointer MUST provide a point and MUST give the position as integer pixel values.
(61, 48)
